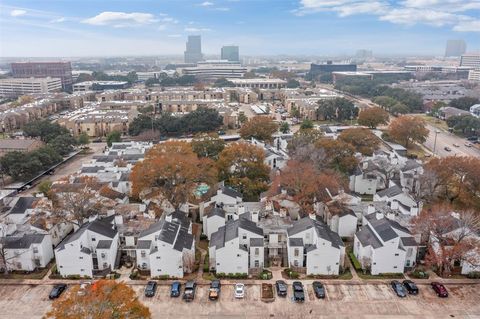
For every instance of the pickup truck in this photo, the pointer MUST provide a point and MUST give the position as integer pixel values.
(214, 291)
(189, 292)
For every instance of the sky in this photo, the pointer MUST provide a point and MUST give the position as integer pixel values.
(71, 28)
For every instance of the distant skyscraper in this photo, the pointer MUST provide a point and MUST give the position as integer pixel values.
(62, 70)
(230, 53)
(193, 52)
(455, 48)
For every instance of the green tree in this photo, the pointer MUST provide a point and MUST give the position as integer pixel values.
(202, 120)
(467, 124)
(362, 139)
(399, 109)
(63, 144)
(260, 128)
(208, 145)
(284, 127)
(386, 102)
(223, 82)
(114, 137)
(241, 166)
(83, 139)
(306, 125)
(44, 187)
(293, 84)
(464, 103)
(339, 109)
(44, 129)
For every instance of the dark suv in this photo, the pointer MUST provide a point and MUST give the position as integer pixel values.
(57, 291)
(298, 292)
(319, 289)
(398, 288)
(281, 288)
(189, 292)
(440, 289)
(175, 289)
(411, 287)
(150, 289)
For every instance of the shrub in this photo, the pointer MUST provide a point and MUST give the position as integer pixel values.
(474, 275)
(134, 275)
(355, 262)
(203, 237)
(419, 274)
(265, 275)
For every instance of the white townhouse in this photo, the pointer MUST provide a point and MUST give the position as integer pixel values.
(213, 220)
(89, 251)
(384, 246)
(237, 247)
(167, 248)
(410, 174)
(226, 197)
(27, 251)
(399, 199)
(313, 246)
(22, 208)
(344, 224)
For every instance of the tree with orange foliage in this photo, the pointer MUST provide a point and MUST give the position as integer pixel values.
(306, 184)
(259, 127)
(408, 129)
(171, 172)
(103, 299)
(452, 179)
(241, 166)
(362, 139)
(338, 154)
(373, 117)
(451, 237)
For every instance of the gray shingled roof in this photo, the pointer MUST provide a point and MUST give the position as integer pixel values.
(102, 227)
(23, 242)
(408, 241)
(410, 164)
(383, 229)
(295, 242)
(144, 244)
(230, 192)
(216, 211)
(367, 237)
(168, 232)
(22, 204)
(390, 192)
(156, 227)
(230, 231)
(104, 244)
(322, 230)
(256, 242)
(184, 240)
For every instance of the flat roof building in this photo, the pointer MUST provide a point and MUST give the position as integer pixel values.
(329, 67)
(193, 52)
(471, 60)
(259, 83)
(62, 70)
(230, 53)
(99, 86)
(215, 69)
(455, 48)
(15, 87)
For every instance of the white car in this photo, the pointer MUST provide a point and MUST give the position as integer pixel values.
(468, 144)
(239, 291)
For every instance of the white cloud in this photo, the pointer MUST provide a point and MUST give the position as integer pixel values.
(18, 12)
(58, 20)
(121, 19)
(174, 35)
(206, 4)
(438, 13)
(222, 9)
(191, 29)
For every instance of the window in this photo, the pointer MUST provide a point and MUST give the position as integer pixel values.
(158, 257)
(143, 253)
(296, 252)
(257, 251)
(94, 239)
(408, 263)
(238, 255)
(257, 264)
(61, 266)
(395, 267)
(244, 236)
(144, 265)
(103, 255)
(80, 257)
(396, 254)
(82, 270)
(295, 263)
(105, 265)
(35, 250)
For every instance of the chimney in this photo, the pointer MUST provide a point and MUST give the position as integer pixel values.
(370, 209)
(254, 216)
(394, 205)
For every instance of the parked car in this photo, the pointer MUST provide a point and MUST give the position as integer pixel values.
(398, 288)
(189, 292)
(411, 287)
(456, 145)
(439, 289)
(468, 144)
(150, 289)
(298, 292)
(318, 289)
(57, 290)
(472, 138)
(239, 290)
(448, 149)
(175, 289)
(281, 287)
(214, 291)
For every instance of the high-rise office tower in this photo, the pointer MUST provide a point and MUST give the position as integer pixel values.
(455, 48)
(193, 52)
(62, 70)
(230, 53)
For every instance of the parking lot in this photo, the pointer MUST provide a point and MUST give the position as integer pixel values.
(342, 301)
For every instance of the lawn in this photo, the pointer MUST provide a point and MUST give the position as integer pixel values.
(39, 274)
(380, 276)
(435, 122)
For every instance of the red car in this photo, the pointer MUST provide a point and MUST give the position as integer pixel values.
(439, 289)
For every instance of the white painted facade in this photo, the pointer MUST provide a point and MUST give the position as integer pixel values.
(37, 255)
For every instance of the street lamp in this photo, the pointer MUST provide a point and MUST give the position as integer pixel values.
(435, 141)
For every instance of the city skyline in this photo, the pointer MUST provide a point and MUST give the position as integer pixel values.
(309, 27)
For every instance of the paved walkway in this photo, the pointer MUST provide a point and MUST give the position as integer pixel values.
(203, 254)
